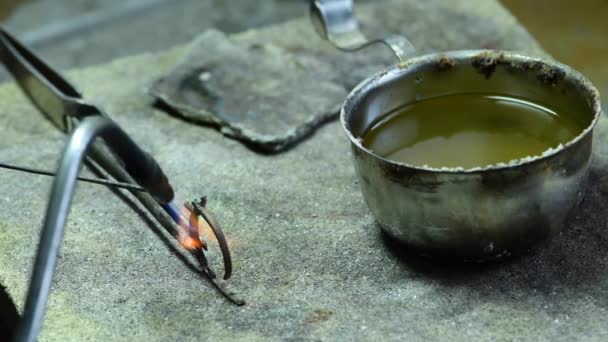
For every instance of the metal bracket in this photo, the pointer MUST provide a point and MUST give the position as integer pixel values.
(334, 21)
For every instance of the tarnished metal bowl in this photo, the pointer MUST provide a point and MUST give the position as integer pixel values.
(481, 213)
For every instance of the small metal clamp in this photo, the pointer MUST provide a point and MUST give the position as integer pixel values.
(335, 22)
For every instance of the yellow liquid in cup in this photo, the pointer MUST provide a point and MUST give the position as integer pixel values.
(468, 131)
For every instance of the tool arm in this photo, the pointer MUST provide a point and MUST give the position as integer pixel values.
(65, 108)
(55, 219)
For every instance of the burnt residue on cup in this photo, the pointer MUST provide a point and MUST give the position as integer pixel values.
(487, 62)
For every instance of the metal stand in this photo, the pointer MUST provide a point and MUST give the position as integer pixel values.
(56, 215)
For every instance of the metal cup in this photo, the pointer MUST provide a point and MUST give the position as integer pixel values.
(478, 213)
(483, 213)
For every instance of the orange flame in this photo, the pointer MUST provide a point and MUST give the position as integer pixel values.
(190, 243)
(193, 233)
(189, 231)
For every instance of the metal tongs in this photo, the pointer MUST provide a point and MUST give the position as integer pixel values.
(334, 21)
(117, 154)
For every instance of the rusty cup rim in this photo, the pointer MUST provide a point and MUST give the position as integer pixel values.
(405, 67)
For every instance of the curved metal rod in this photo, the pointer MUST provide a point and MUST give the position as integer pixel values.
(197, 208)
(335, 22)
(56, 215)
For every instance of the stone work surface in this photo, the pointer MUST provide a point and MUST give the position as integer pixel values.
(261, 94)
(308, 258)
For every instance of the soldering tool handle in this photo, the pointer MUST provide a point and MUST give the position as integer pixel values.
(140, 165)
